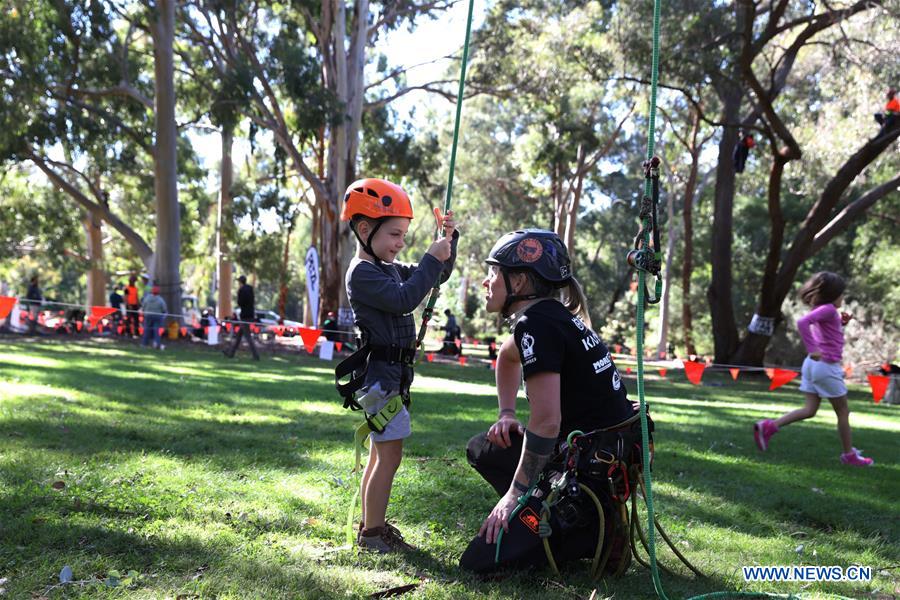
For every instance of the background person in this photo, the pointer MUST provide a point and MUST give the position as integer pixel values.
(34, 298)
(155, 310)
(822, 375)
(246, 301)
(132, 306)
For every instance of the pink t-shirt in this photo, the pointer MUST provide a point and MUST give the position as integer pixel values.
(822, 332)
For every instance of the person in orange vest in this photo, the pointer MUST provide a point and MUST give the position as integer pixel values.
(132, 306)
(742, 151)
(891, 111)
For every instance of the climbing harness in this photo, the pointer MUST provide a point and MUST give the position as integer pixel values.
(355, 367)
(435, 291)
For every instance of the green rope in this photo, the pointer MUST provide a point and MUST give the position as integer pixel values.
(642, 278)
(435, 291)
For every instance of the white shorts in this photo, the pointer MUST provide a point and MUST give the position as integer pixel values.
(823, 379)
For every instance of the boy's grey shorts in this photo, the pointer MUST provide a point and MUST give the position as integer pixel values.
(399, 427)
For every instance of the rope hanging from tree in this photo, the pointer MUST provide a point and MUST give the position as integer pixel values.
(435, 291)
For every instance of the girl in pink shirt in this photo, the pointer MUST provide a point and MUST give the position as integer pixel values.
(822, 375)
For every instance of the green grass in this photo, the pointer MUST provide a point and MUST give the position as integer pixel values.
(229, 479)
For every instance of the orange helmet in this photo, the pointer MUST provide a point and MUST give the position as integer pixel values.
(376, 198)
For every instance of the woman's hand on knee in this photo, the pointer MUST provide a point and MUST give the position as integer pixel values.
(499, 518)
(499, 433)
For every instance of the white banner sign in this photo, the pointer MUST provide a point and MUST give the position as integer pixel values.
(312, 283)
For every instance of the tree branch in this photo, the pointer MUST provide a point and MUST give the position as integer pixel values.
(131, 236)
(841, 220)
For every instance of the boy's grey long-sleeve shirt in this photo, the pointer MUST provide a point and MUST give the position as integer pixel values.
(383, 297)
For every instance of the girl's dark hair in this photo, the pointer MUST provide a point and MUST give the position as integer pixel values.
(822, 288)
(571, 292)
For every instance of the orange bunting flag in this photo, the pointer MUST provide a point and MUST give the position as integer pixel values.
(770, 373)
(693, 371)
(6, 306)
(121, 329)
(140, 331)
(627, 370)
(310, 337)
(100, 312)
(462, 360)
(734, 373)
(338, 346)
(879, 385)
(493, 364)
(184, 332)
(430, 356)
(228, 327)
(161, 330)
(781, 377)
(662, 372)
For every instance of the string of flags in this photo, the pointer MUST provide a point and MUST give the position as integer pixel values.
(98, 317)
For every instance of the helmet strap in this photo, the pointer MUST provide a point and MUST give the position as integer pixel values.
(510, 297)
(367, 244)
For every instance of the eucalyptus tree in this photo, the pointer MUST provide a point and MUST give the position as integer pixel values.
(305, 83)
(551, 59)
(744, 55)
(89, 94)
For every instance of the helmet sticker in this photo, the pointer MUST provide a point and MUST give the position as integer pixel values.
(564, 271)
(529, 250)
(386, 200)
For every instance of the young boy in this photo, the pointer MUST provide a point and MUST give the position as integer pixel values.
(383, 296)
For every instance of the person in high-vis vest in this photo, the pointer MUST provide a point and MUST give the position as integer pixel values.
(891, 111)
(132, 306)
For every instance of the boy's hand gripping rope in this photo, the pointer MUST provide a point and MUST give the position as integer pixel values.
(435, 292)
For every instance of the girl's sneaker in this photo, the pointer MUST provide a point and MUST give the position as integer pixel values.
(763, 431)
(856, 459)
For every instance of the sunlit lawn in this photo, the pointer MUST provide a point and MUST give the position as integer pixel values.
(209, 478)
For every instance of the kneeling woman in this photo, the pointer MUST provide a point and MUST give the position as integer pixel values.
(570, 381)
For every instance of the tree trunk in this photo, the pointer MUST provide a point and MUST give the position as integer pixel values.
(96, 275)
(168, 217)
(778, 280)
(725, 333)
(224, 267)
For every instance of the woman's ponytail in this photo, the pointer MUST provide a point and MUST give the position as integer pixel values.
(575, 300)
